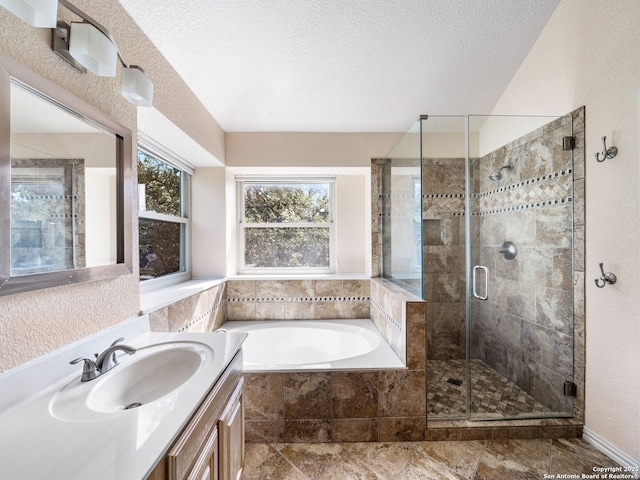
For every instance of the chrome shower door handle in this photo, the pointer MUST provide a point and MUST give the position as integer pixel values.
(486, 280)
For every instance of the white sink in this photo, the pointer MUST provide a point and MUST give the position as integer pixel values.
(153, 373)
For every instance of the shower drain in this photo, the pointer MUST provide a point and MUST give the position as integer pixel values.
(133, 405)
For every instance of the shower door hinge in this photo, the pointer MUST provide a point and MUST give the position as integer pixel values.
(570, 389)
(568, 143)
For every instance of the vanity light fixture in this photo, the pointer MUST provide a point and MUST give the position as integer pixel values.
(136, 86)
(87, 45)
(93, 49)
(39, 13)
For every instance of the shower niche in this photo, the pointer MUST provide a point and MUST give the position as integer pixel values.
(482, 217)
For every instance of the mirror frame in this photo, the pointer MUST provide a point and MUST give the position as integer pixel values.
(9, 68)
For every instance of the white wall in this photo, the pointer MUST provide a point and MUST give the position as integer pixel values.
(589, 54)
(347, 155)
(208, 223)
(293, 149)
(353, 196)
(37, 322)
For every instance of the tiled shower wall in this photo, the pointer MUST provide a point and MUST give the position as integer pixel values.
(443, 242)
(525, 330)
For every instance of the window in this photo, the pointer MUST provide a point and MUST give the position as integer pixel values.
(286, 224)
(163, 229)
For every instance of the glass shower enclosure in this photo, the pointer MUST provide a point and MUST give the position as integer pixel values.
(478, 220)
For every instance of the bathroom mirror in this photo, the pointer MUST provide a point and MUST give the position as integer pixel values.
(65, 215)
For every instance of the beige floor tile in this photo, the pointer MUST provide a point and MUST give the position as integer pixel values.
(387, 459)
(424, 467)
(462, 458)
(348, 470)
(565, 461)
(582, 449)
(494, 466)
(255, 454)
(446, 460)
(533, 454)
(276, 467)
(313, 459)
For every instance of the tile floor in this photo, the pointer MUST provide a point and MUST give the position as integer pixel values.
(490, 460)
(491, 394)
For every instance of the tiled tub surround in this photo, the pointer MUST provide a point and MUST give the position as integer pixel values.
(204, 311)
(347, 406)
(399, 315)
(297, 299)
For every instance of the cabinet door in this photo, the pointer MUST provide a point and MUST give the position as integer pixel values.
(206, 467)
(231, 427)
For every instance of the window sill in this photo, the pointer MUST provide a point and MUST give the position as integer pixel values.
(156, 299)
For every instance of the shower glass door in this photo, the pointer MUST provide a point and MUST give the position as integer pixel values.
(520, 267)
(497, 268)
(444, 152)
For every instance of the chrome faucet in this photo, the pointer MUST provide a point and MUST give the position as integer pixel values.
(103, 362)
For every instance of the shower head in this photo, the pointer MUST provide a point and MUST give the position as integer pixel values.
(495, 176)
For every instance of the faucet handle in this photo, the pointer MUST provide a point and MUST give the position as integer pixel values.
(115, 342)
(89, 371)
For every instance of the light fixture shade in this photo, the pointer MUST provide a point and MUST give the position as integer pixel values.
(93, 49)
(39, 13)
(136, 86)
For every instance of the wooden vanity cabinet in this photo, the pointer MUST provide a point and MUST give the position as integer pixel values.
(211, 446)
(231, 428)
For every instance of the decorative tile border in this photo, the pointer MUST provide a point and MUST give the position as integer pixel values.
(203, 316)
(197, 320)
(530, 181)
(299, 299)
(388, 317)
(546, 190)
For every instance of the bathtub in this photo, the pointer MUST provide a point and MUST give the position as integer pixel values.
(312, 345)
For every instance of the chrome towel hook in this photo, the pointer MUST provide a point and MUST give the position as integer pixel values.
(606, 152)
(606, 278)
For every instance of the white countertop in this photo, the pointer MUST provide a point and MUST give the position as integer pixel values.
(35, 445)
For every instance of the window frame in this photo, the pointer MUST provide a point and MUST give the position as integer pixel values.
(164, 155)
(242, 180)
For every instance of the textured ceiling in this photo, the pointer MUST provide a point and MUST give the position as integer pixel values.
(342, 65)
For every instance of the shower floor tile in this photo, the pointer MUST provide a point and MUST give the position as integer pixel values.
(492, 394)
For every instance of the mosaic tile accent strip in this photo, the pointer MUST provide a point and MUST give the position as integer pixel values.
(203, 317)
(199, 319)
(299, 299)
(546, 190)
(438, 205)
(553, 189)
(386, 315)
(492, 393)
